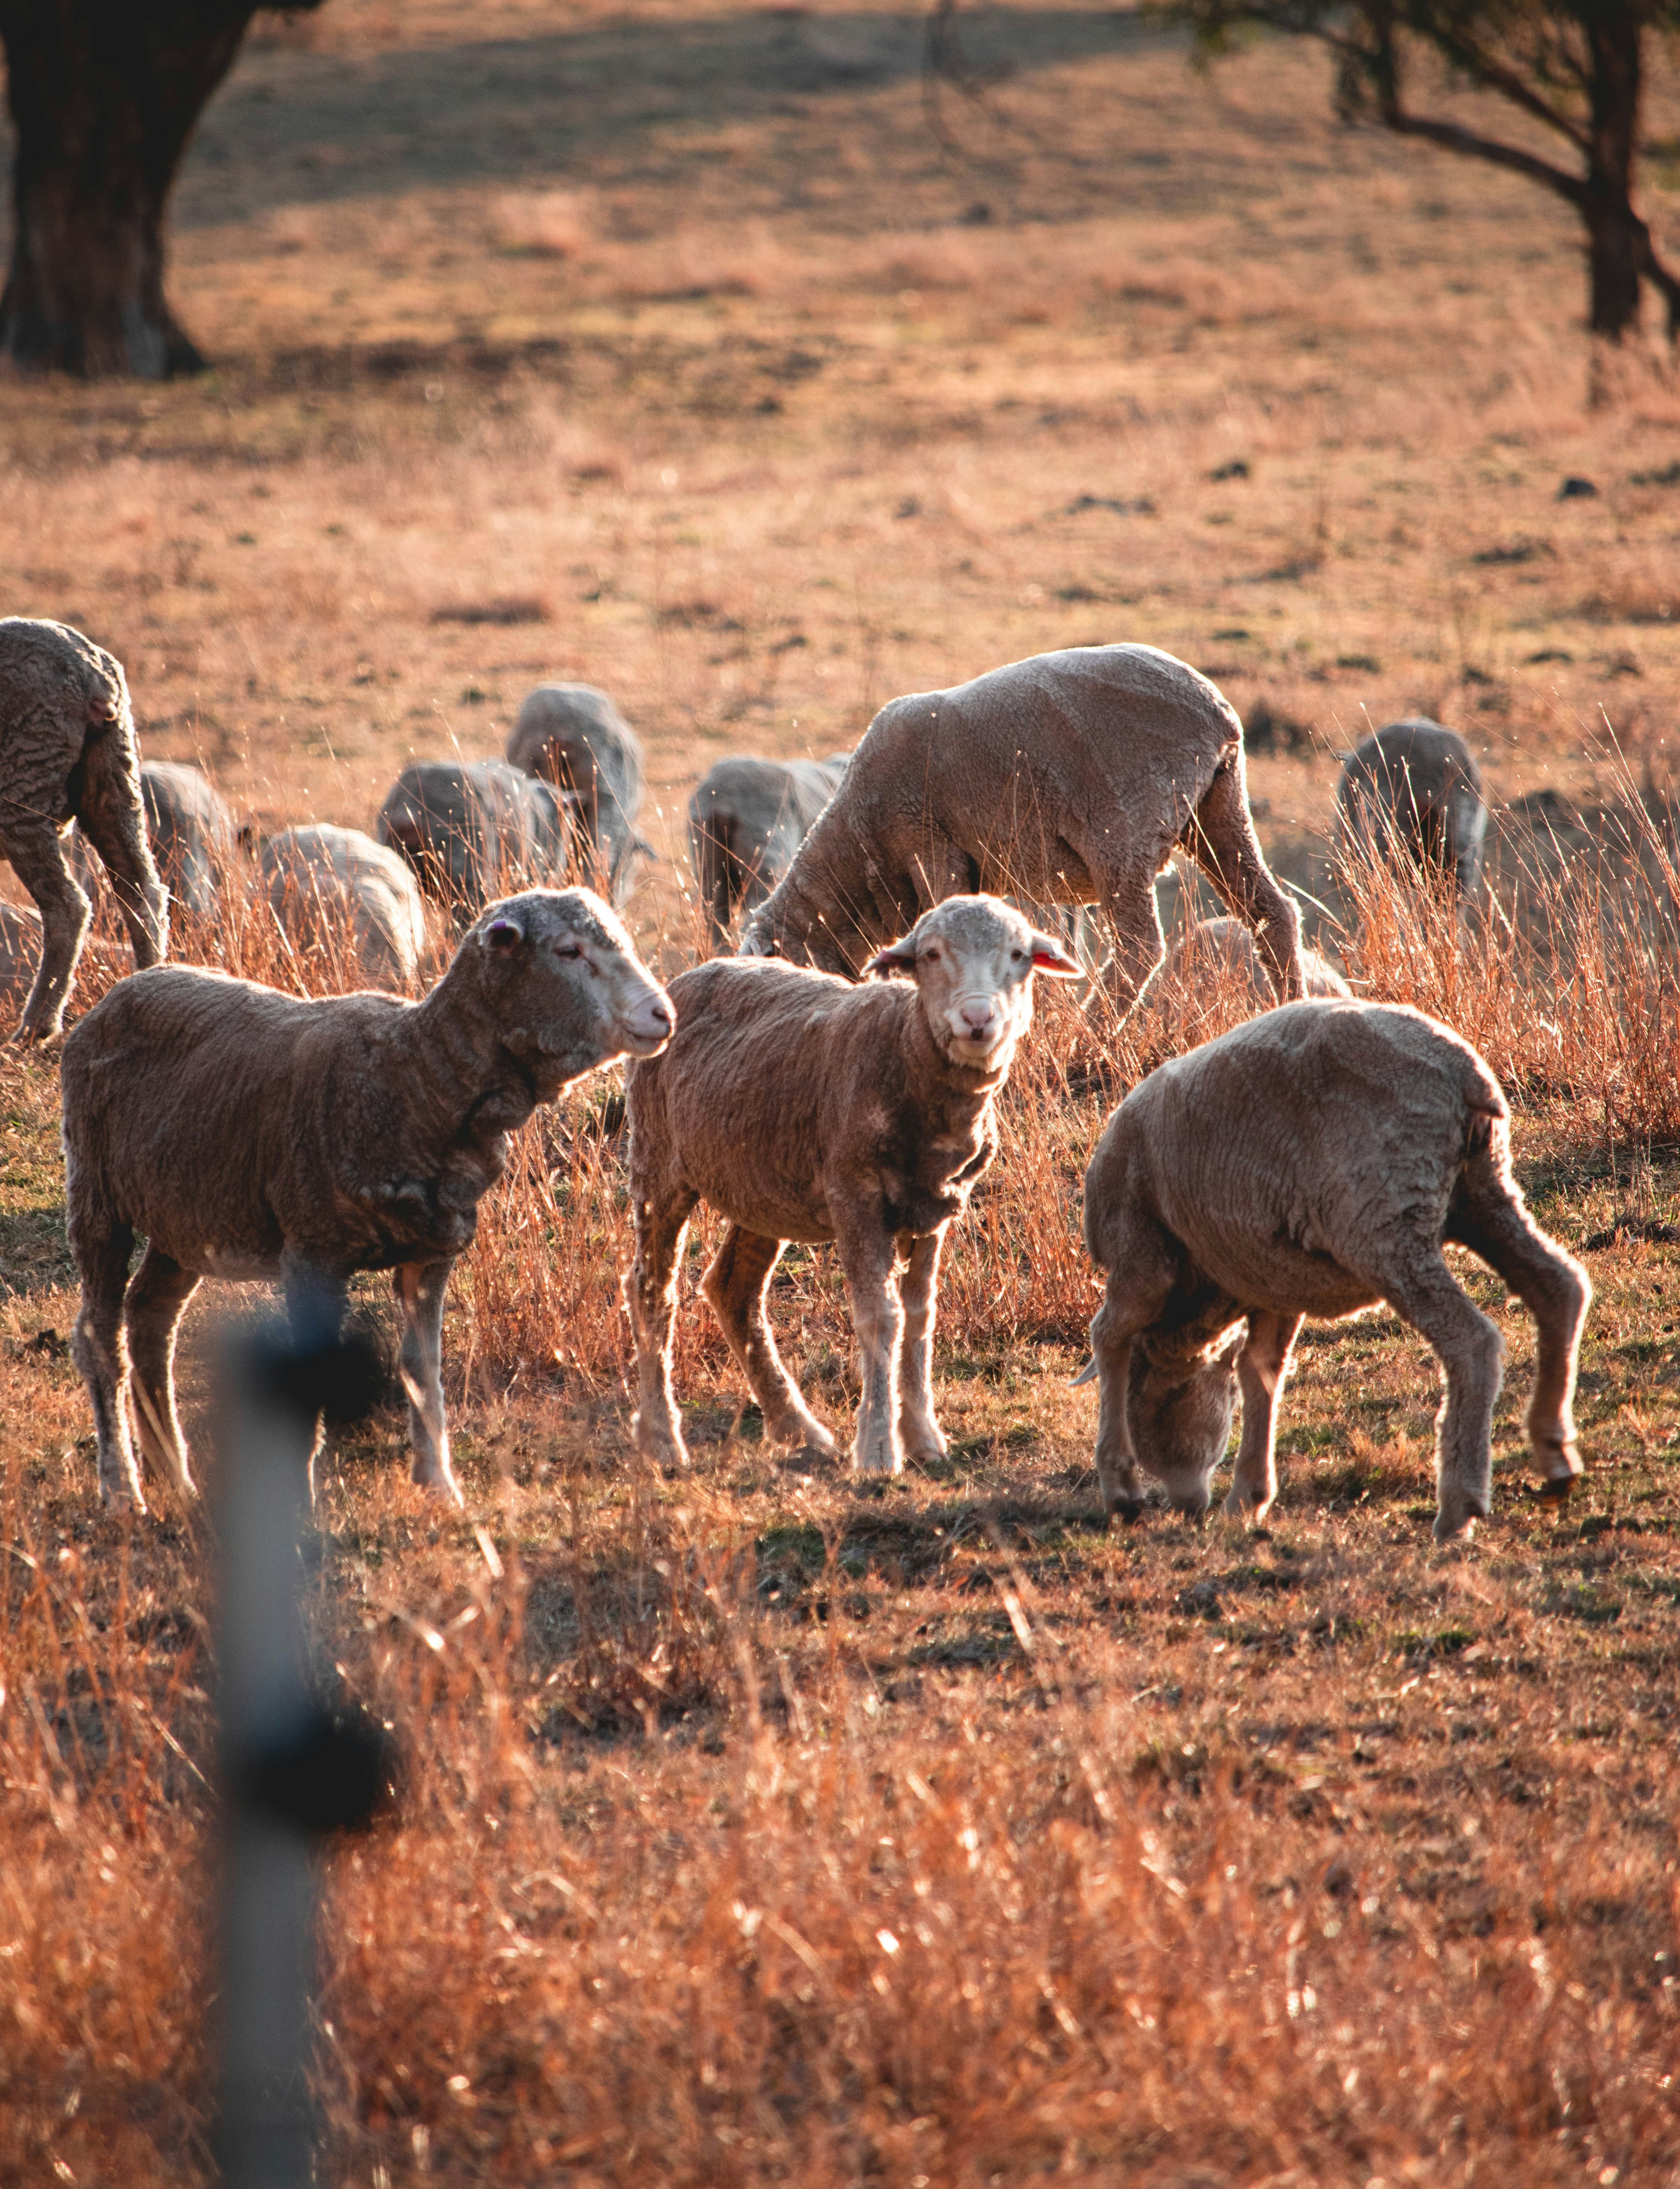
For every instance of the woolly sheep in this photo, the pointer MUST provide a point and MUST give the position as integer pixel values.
(194, 843)
(573, 736)
(1413, 789)
(1312, 1162)
(67, 753)
(801, 1107)
(328, 886)
(745, 822)
(470, 827)
(251, 1135)
(1065, 779)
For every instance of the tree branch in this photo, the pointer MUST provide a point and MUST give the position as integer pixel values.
(1454, 138)
(1494, 76)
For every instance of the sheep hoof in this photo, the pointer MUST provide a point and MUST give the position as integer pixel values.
(1128, 1511)
(1460, 1528)
(1553, 1489)
(1251, 1510)
(123, 1504)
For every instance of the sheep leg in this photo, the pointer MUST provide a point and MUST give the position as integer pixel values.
(650, 1293)
(736, 1284)
(1473, 1354)
(918, 1433)
(38, 860)
(1221, 840)
(157, 1299)
(1488, 1218)
(1261, 1368)
(869, 1257)
(100, 1352)
(419, 1287)
(1140, 946)
(111, 817)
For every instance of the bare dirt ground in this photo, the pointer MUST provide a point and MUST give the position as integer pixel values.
(756, 1828)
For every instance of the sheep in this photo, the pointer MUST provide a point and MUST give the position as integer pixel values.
(67, 753)
(802, 1107)
(1222, 953)
(326, 884)
(573, 736)
(1312, 1162)
(193, 839)
(745, 822)
(1413, 790)
(1067, 778)
(467, 827)
(251, 1135)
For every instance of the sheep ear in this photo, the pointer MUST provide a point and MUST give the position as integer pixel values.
(897, 957)
(502, 935)
(1049, 957)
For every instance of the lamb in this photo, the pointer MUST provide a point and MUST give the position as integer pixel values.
(1312, 1162)
(248, 1134)
(1068, 778)
(327, 886)
(745, 822)
(1216, 952)
(1412, 791)
(67, 753)
(469, 827)
(573, 736)
(801, 1107)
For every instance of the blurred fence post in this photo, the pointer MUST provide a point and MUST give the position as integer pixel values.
(290, 1769)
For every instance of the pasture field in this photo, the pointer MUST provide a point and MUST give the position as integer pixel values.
(756, 1826)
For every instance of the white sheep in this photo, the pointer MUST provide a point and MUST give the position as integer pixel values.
(247, 1133)
(327, 886)
(1312, 1162)
(801, 1106)
(1070, 778)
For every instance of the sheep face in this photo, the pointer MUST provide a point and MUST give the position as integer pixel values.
(973, 959)
(566, 984)
(1180, 1409)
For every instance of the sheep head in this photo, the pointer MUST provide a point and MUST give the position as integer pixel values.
(1180, 1406)
(565, 986)
(973, 959)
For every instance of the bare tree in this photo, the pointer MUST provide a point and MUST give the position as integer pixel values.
(1577, 68)
(105, 95)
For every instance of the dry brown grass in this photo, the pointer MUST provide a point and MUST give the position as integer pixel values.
(1320, 1857)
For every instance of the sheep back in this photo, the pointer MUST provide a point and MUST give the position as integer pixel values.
(471, 829)
(1277, 1154)
(1414, 786)
(1043, 780)
(324, 885)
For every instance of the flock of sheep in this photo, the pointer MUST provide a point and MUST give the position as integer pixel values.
(1312, 1162)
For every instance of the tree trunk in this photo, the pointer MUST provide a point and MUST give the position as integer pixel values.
(104, 94)
(1617, 239)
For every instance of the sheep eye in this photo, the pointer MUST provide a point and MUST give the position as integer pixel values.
(1017, 955)
(567, 950)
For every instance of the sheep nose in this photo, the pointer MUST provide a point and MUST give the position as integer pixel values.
(977, 1014)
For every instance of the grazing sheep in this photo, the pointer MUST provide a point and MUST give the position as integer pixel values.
(193, 839)
(745, 822)
(1216, 952)
(248, 1134)
(801, 1107)
(328, 886)
(1312, 1162)
(1065, 779)
(1413, 789)
(572, 735)
(67, 753)
(469, 827)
